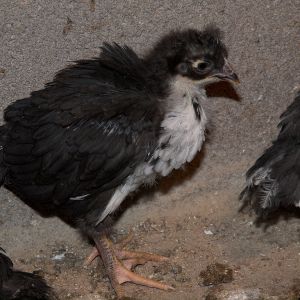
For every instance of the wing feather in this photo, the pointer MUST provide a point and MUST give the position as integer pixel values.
(83, 134)
(274, 180)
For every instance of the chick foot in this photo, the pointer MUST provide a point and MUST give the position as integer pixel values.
(118, 263)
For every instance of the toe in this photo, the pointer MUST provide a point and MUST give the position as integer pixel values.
(124, 275)
(91, 257)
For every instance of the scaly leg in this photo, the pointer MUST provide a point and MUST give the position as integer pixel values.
(118, 263)
(120, 245)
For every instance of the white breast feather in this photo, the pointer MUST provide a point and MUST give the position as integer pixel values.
(182, 131)
(182, 137)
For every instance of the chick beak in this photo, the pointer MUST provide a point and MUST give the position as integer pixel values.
(227, 73)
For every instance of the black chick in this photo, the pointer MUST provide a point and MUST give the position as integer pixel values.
(19, 285)
(105, 126)
(274, 180)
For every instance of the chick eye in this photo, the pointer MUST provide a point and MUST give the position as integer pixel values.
(202, 65)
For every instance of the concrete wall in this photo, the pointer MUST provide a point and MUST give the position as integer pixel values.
(38, 38)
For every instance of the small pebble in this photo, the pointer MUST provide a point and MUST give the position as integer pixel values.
(216, 273)
(208, 232)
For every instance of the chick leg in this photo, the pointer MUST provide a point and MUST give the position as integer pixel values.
(120, 245)
(118, 262)
(129, 258)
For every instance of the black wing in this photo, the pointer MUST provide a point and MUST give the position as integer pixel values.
(21, 285)
(274, 180)
(83, 134)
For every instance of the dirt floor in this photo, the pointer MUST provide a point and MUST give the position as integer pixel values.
(215, 251)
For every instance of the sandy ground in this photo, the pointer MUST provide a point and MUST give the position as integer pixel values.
(192, 216)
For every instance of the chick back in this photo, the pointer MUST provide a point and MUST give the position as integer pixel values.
(69, 146)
